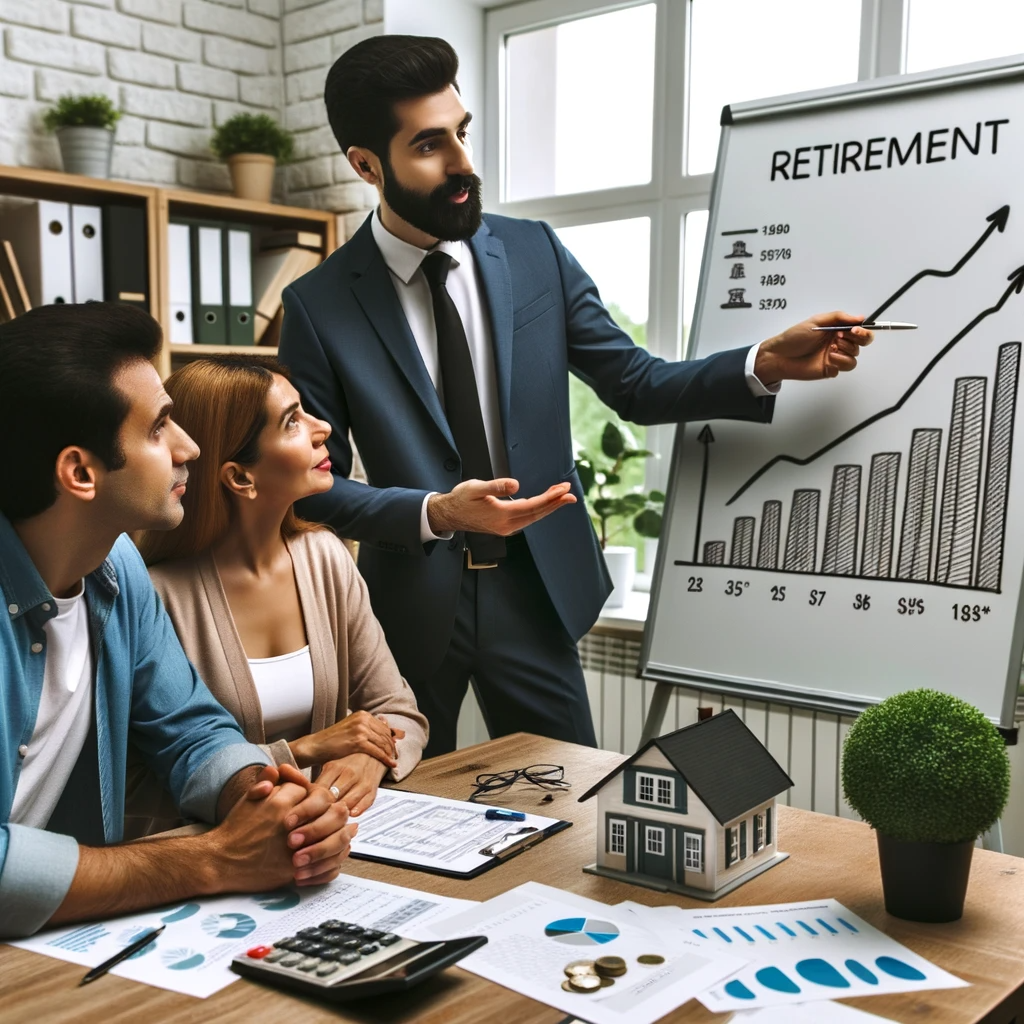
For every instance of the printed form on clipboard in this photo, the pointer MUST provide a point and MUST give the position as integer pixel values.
(446, 837)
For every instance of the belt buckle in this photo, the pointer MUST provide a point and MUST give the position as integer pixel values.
(470, 564)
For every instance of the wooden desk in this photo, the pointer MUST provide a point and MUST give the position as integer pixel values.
(829, 857)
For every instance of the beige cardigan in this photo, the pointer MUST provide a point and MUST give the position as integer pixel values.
(353, 668)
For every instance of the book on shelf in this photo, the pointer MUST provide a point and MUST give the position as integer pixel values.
(292, 239)
(272, 272)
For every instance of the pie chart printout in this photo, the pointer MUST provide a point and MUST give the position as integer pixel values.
(582, 931)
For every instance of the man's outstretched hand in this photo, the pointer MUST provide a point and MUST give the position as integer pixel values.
(801, 353)
(477, 506)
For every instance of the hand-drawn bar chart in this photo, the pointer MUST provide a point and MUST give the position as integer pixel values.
(953, 538)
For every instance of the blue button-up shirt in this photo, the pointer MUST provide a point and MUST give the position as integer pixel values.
(145, 689)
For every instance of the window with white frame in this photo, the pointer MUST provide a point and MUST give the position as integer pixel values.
(654, 840)
(758, 832)
(666, 791)
(616, 836)
(644, 788)
(693, 851)
(732, 845)
(602, 118)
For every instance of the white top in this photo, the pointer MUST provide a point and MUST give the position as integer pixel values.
(463, 283)
(65, 711)
(284, 686)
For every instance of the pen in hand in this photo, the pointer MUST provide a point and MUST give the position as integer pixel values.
(134, 947)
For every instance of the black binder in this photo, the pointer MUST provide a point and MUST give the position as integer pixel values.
(125, 255)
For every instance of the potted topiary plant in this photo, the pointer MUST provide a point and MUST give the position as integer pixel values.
(930, 774)
(643, 510)
(84, 126)
(252, 145)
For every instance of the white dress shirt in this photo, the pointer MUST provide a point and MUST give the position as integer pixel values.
(463, 284)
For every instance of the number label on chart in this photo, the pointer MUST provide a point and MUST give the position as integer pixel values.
(735, 588)
(862, 602)
(772, 304)
(770, 280)
(778, 593)
(695, 585)
(775, 229)
(970, 612)
(910, 606)
(817, 598)
(776, 254)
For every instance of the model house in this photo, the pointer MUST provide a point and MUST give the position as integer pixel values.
(691, 812)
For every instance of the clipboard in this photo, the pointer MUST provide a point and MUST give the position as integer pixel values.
(396, 826)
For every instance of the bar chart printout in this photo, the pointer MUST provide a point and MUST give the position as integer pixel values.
(953, 536)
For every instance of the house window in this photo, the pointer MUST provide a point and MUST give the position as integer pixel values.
(758, 832)
(654, 840)
(693, 852)
(666, 791)
(732, 846)
(617, 837)
(645, 789)
(768, 826)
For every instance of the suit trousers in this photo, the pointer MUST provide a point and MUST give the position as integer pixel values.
(510, 643)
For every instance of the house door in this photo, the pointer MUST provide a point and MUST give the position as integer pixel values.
(654, 855)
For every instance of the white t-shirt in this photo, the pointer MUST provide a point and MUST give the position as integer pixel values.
(284, 686)
(65, 711)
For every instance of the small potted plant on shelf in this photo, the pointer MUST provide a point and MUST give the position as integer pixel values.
(84, 126)
(644, 511)
(252, 145)
(930, 774)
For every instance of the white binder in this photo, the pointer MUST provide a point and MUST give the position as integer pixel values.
(87, 252)
(41, 235)
(180, 283)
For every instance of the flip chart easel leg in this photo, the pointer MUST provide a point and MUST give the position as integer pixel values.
(656, 713)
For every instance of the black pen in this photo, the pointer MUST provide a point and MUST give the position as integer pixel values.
(142, 940)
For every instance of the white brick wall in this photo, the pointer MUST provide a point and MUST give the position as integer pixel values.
(178, 68)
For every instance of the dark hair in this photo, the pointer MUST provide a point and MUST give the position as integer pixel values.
(367, 80)
(57, 369)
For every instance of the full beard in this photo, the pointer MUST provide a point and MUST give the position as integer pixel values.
(434, 213)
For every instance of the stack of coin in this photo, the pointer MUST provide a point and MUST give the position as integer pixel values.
(650, 959)
(610, 966)
(583, 976)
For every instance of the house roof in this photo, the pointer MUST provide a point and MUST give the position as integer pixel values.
(722, 761)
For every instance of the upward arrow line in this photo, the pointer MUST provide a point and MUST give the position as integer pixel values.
(997, 222)
(1016, 280)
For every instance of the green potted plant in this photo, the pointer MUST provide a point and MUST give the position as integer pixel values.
(930, 774)
(252, 145)
(644, 511)
(84, 126)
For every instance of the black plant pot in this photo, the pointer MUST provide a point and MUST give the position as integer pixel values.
(924, 881)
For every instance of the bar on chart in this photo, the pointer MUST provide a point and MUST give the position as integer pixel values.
(802, 537)
(918, 532)
(743, 541)
(768, 542)
(880, 515)
(840, 554)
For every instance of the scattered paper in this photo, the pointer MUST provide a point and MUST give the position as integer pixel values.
(428, 831)
(797, 953)
(534, 931)
(807, 1013)
(202, 936)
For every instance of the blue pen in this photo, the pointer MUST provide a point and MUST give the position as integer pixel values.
(500, 814)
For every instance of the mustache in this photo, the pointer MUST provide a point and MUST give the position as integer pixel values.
(181, 478)
(457, 183)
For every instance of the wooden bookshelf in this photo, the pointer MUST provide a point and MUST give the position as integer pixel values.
(161, 205)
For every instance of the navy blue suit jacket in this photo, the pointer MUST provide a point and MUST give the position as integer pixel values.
(356, 365)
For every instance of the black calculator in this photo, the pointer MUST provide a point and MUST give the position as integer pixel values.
(340, 961)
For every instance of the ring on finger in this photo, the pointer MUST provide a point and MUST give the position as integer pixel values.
(336, 793)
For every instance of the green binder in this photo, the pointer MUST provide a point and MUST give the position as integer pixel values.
(209, 312)
(238, 284)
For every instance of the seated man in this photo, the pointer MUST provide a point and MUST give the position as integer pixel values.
(89, 659)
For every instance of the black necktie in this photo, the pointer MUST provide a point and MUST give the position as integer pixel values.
(461, 399)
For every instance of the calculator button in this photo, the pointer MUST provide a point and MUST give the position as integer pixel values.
(351, 943)
(370, 947)
(292, 959)
(259, 952)
(310, 963)
(353, 929)
(290, 943)
(346, 958)
(389, 939)
(371, 936)
(278, 954)
(311, 933)
(332, 925)
(324, 970)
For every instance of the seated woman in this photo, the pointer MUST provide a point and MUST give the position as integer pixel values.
(271, 609)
